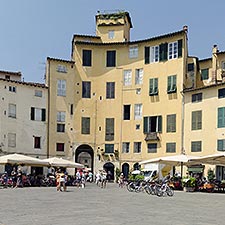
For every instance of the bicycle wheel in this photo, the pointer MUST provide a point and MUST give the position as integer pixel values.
(169, 191)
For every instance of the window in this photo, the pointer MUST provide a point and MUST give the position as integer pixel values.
(86, 57)
(38, 93)
(111, 34)
(126, 147)
(154, 54)
(7, 77)
(85, 125)
(110, 90)
(126, 112)
(12, 111)
(61, 116)
(12, 88)
(196, 120)
(196, 97)
(172, 84)
(138, 126)
(137, 111)
(71, 109)
(37, 142)
(138, 76)
(163, 52)
(205, 74)
(152, 124)
(61, 69)
(60, 147)
(153, 86)
(86, 89)
(196, 146)
(221, 145)
(173, 50)
(171, 123)
(152, 147)
(221, 93)
(109, 129)
(61, 88)
(190, 67)
(127, 77)
(12, 140)
(111, 58)
(221, 117)
(170, 147)
(137, 147)
(133, 52)
(38, 114)
(109, 148)
(60, 127)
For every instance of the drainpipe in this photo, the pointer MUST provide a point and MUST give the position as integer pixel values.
(48, 105)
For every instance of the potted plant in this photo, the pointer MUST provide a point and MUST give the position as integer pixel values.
(189, 184)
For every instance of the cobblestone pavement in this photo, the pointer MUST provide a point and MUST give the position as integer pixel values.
(110, 206)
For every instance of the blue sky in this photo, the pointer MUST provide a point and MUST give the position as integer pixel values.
(33, 30)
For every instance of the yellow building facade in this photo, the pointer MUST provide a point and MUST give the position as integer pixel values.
(204, 108)
(126, 96)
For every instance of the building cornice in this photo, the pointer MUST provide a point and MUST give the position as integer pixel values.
(60, 60)
(24, 83)
(205, 87)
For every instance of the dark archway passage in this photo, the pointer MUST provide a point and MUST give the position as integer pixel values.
(125, 169)
(109, 168)
(85, 155)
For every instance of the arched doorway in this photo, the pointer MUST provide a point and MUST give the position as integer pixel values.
(109, 168)
(85, 155)
(125, 169)
(136, 166)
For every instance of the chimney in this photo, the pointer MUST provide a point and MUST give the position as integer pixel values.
(185, 28)
(214, 63)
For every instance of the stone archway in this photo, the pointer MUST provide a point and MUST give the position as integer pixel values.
(125, 169)
(109, 168)
(85, 155)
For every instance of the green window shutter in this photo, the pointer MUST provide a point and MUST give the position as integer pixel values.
(163, 52)
(221, 122)
(180, 46)
(43, 115)
(151, 87)
(220, 145)
(156, 86)
(205, 74)
(160, 124)
(146, 125)
(174, 83)
(32, 113)
(147, 55)
(169, 84)
(199, 120)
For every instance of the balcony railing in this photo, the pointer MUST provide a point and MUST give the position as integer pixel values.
(153, 136)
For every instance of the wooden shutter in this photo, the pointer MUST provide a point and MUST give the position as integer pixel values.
(32, 113)
(221, 117)
(163, 52)
(151, 86)
(159, 124)
(86, 58)
(169, 83)
(180, 46)
(147, 54)
(146, 125)
(43, 115)
(156, 86)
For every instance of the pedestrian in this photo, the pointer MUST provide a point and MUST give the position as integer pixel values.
(13, 176)
(19, 181)
(57, 177)
(104, 179)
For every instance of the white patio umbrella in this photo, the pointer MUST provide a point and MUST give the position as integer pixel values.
(136, 172)
(214, 159)
(22, 159)
(60, 162)
(174, 160)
